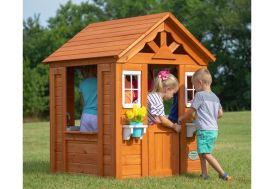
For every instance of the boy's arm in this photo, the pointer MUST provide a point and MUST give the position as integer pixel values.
(220, 113)
(187, 117)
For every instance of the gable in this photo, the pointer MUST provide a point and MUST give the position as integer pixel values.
(169, 41)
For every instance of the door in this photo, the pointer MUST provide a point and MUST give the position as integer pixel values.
(163, 147)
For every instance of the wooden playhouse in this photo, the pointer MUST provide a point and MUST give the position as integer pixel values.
(120, 48)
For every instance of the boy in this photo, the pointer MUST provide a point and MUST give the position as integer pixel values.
(208, 109)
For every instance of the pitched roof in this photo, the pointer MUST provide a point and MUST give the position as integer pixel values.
(107, 38)
(114, 38)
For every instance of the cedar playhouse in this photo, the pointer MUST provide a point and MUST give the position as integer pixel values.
(120, 48)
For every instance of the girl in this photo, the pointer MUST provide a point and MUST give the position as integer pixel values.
(88, 99)
(164, 88)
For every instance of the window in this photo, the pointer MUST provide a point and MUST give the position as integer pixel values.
(189, 88)
(131, 88)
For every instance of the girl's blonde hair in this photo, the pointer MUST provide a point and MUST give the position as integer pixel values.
(204, 75)
(165, 80)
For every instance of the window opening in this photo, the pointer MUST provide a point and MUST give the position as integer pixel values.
(131, 88)
(84, 100)
(189, 89)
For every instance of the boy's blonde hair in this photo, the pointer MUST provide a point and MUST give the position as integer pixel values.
(204, 75)
(168, 80)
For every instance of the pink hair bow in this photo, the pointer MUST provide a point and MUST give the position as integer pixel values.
(163, 75)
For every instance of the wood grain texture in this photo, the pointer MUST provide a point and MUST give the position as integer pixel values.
(105, 38)
(52, 84)
(163, 151)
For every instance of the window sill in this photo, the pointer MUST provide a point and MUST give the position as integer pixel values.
(79, 132)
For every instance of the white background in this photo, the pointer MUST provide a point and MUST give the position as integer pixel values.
(11, 133)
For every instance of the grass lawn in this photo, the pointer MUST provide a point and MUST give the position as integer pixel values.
(233, 151)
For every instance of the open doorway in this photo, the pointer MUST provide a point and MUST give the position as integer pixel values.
(153, 70)
(163, 142)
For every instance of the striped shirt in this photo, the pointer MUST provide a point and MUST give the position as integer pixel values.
(155, 107)
(207, 106)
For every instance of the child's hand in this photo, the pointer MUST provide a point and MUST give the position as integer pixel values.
(188, 116)
(179, 121)
(177, 128)
(193, 116)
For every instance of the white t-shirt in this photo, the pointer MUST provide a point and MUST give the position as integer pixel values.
(207, 106)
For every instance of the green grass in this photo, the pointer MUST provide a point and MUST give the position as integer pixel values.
(233, 151)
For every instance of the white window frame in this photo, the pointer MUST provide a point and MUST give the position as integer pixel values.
(135, 73)
(193, 89)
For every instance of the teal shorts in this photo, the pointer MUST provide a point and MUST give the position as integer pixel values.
(206, 141)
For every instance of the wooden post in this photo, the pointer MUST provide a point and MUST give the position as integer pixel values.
(52, 120)
(64, 117)
(144, 144)
(118, 110)
(181, 109)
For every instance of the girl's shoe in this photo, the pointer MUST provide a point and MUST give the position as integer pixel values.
(226, 177)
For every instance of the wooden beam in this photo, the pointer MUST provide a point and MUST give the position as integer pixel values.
(181, 109)
(182, 39)
(158, 26)
(140, 45)
(52, 121)
(117, 119)
(100, 120)
(173, 46)
(144, 146)
(153, 46)
(163, 38)
(64, 117)
(147, 58)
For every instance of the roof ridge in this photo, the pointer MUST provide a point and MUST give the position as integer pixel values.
(127, 18)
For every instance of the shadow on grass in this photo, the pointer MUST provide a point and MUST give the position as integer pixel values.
(36, 167)
(190, 175)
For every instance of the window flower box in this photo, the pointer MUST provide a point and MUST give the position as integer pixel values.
(128, 131)
(190, 129)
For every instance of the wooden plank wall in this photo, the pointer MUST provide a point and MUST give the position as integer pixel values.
(192, 165)
(132, 160)
(106, 111)
(82, 153)
(52, 120)
(186, 144)
(57, 117)
(131, 155)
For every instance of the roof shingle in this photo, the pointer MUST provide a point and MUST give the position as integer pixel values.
(108, 38)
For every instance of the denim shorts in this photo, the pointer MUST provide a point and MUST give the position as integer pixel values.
(206, 140)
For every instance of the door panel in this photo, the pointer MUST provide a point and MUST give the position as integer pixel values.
(163, 144)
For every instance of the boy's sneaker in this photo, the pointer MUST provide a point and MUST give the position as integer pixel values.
(226, 177)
